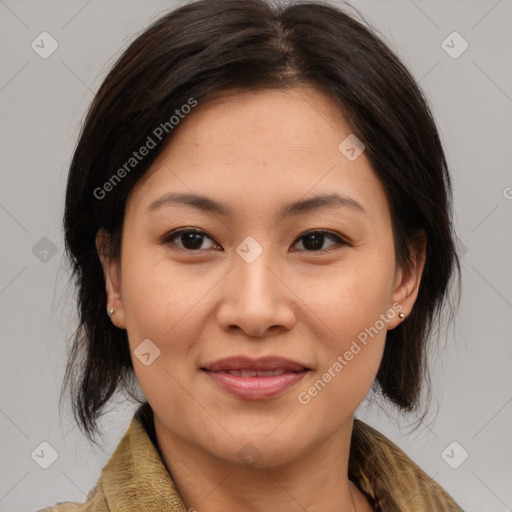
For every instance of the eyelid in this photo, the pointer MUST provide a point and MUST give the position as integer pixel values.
(175, 233)
(339, 239)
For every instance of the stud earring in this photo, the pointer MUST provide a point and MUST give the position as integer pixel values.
(111, 312)
(401, 316)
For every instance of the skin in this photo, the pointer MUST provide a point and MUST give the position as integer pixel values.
(255, 151)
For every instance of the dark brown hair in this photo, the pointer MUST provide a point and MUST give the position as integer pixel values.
(208, 47)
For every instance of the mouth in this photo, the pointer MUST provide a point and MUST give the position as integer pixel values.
(255, 379)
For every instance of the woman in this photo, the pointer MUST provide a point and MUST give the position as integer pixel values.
(259, 220)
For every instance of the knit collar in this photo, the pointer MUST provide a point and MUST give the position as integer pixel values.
(135, 477)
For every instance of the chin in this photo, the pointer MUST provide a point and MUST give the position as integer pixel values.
(266, 443)
(259, 452)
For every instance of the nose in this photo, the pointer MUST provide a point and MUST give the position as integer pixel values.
(256, 299)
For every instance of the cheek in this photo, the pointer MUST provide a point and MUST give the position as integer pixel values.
(162, 304)
(158, 294)
(350, 297)
(348, 368)
(354, 307)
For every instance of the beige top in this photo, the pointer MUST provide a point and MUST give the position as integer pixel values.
(136, 479)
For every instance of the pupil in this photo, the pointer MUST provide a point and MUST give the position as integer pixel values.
(193, 240)
(317, 240)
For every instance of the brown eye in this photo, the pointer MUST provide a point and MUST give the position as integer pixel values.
(187, 239)
(314, 241)
(193, 240)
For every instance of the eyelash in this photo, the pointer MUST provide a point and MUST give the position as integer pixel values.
(167, 239)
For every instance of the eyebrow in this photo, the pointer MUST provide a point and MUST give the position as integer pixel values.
(209, 205)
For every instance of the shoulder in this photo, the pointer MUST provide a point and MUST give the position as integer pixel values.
(95, 502)
(134, 478)
(391, 478)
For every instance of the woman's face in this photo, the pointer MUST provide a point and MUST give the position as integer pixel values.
(259, 287)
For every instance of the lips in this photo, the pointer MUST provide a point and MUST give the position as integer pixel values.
(248, 364)
(255, 379)
(257, 373)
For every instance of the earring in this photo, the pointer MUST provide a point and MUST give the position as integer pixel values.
(401, 316)
(111, 312)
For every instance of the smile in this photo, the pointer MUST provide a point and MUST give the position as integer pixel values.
(252, 379)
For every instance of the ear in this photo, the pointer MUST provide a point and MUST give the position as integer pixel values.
(112, 273)
(407, 280)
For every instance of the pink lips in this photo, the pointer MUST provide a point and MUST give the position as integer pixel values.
(256, 379)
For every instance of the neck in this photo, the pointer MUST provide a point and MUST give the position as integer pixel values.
(318, 481)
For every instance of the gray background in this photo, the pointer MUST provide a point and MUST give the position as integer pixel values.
(42, 102)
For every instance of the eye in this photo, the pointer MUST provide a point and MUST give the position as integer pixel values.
(313, 241)
(192, 240)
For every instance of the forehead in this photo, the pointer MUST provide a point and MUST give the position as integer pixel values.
(301, 119)
(261, 148)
